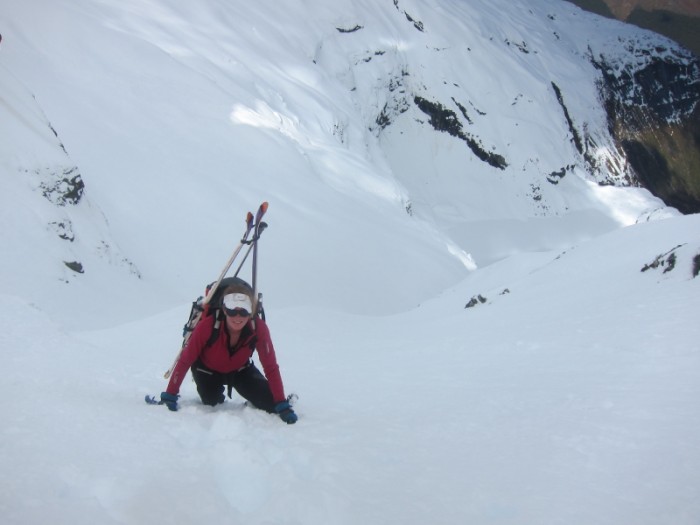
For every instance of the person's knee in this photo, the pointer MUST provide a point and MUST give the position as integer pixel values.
(264, 404)
(212, 400)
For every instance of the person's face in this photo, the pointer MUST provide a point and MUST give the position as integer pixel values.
(237, 318)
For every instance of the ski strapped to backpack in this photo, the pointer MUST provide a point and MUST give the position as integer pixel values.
(201, 306)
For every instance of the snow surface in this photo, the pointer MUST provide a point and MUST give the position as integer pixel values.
(567, 395)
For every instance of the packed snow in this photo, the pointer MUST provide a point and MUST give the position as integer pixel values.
(565, 393)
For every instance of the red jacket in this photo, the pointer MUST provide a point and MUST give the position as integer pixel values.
(217, 357)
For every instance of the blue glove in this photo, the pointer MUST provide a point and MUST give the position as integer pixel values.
(169, 400)
(285, 412)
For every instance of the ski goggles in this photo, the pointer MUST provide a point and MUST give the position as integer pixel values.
(237, 304)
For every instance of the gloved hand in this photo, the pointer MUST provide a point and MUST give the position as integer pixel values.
(285, 412)
(169, 400)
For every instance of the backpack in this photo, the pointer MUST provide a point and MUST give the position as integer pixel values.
(199, 310)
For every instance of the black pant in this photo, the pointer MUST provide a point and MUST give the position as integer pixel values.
(249, 382)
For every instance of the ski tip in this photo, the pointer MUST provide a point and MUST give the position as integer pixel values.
(249, 217)
(263, 207)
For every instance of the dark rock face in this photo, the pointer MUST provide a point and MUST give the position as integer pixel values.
(64, 188)
(653, 112)
(446, 120)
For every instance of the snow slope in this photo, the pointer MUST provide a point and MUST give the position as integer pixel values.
(181, 117)
(570, 399)
(566, 395)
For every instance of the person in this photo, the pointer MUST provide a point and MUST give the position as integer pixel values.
(226, 361)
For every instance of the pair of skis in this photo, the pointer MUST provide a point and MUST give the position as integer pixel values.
(254, 225)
